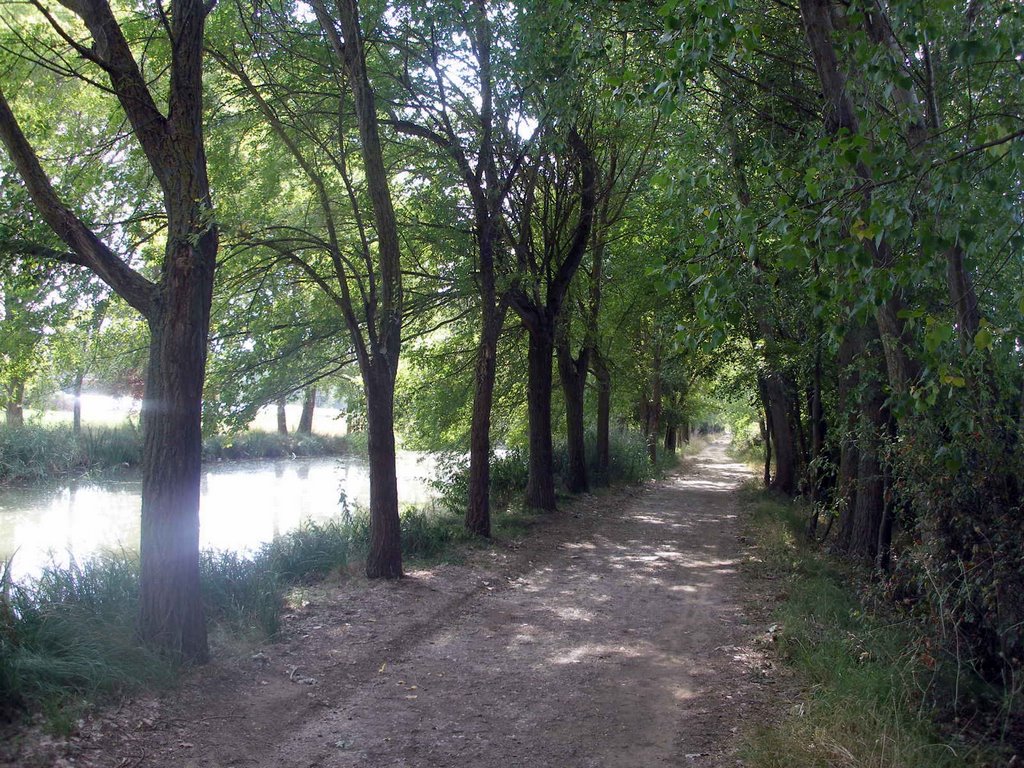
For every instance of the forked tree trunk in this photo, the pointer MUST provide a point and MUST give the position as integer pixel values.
(540, 485)
(308, 407)
(177, 308)
(282, 416)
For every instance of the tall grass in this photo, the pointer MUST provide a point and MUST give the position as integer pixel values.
(67, 637)
(863, 675)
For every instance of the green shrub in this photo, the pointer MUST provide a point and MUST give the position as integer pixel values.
(864, 674)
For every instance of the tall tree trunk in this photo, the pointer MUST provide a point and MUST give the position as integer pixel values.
(478, 511)
(779, 396)
(765, 424)
(670, 438)
(379, 358)
(686, 430)
(177, 308)
(654, 410)
(869, 509)
(540, 486)
(604, 414)
(171, 607)
(282, 416)
(572, 373)
(308, 407)
(385, 556)
(76, 418)
(816, 416)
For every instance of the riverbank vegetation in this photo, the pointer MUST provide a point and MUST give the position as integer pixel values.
(66, 635)
(43, 454)
(868, 688)
(481, 225)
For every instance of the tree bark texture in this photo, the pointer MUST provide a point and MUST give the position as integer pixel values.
(572, 373)
(14, 408)
(282, 416)
(540, 485)
(779, 394)
(653, 428)
(602, 376)
(478, 510)
(305, 426)
(384, 559)
(839, 114)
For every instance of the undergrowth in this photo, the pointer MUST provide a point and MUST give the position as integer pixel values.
(864, 675)
(628, 464)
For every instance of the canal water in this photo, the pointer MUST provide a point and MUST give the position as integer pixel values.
(244, 504)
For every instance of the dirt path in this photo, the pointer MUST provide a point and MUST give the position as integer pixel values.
(614, 636)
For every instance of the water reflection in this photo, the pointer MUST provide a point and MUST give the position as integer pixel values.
(243, 505)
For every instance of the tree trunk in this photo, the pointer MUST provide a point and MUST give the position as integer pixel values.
(171, 606)
(572, 374)
(384, 559)
(15, 407)
(783, 436)
(686, 431)
(76, 419)
(604, 415)
(779, 396)
(282, 416)
(478, 511)
(869, 509)
(654, 411)
(308, 406)
(670, 438)
(540, 486)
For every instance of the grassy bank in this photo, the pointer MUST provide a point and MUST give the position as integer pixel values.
(864, 676)
(67, 637)
(35, 453)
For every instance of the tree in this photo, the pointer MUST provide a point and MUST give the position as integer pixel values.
(547, 263)
(176, 304)
(366, 289)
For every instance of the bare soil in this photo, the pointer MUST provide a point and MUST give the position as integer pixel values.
(617, 633)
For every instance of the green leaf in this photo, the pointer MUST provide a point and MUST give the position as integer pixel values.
(983, 339)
